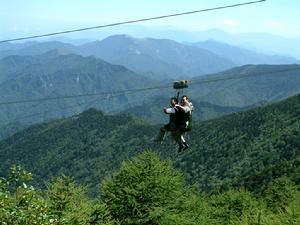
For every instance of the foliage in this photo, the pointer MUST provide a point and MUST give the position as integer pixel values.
(234, 207)
(68, 202)
(147, 191)
(279, 194)
(64, 203)
(20, 203)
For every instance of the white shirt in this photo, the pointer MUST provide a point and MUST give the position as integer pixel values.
(186, 108)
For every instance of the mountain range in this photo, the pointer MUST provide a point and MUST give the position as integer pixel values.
(154, 58)
(158, 58)
(61, 73)
(262, 42)
(36, 70)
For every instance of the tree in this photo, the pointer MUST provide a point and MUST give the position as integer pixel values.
(69, 204)
(148, 191)
(280, 194)
(20, 203)
(234, 207)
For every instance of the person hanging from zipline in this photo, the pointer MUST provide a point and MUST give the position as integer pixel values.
(183, 122)
(179, 123)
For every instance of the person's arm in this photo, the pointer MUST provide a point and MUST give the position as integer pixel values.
(186, 109)
(191, 106)
(169, 110)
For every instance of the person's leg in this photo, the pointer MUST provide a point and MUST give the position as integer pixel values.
(162, 132)
(182, 138)
(183, 141)
(177, 138)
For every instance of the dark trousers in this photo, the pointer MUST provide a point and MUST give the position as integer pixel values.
(176, 133)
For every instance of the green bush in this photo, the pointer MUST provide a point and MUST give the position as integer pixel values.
(148, 191)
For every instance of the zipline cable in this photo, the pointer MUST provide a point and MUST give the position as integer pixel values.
(131, 21)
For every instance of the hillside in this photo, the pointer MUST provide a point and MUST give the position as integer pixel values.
(244, 149)
(57, 73)
(89, 146)
(257, 84)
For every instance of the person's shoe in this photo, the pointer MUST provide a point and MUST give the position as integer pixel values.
(185, 146)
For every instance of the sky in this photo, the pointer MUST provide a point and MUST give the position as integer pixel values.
(31, 17)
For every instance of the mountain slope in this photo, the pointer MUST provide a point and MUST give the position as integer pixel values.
(248, 148)
(257, 84)
(89, 146)
(58, 74)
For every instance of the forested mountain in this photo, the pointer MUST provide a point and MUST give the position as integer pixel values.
(66, 145)
(256, 84)
(57, 73)
(241, 56)
(248, 149)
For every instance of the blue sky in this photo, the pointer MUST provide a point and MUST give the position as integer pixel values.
(29, 17)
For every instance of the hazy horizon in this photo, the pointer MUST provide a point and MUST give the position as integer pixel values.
(20, 18)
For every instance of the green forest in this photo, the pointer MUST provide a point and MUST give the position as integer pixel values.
(93, 168)
(145, 190)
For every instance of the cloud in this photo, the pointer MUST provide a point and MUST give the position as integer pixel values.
(274, 24)
(230, 22)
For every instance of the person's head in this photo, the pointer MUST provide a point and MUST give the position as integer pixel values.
(184, 99)
(174, 101)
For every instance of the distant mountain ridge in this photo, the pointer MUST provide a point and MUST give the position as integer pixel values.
(242, 56)
(157, 58)
(153, 57)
